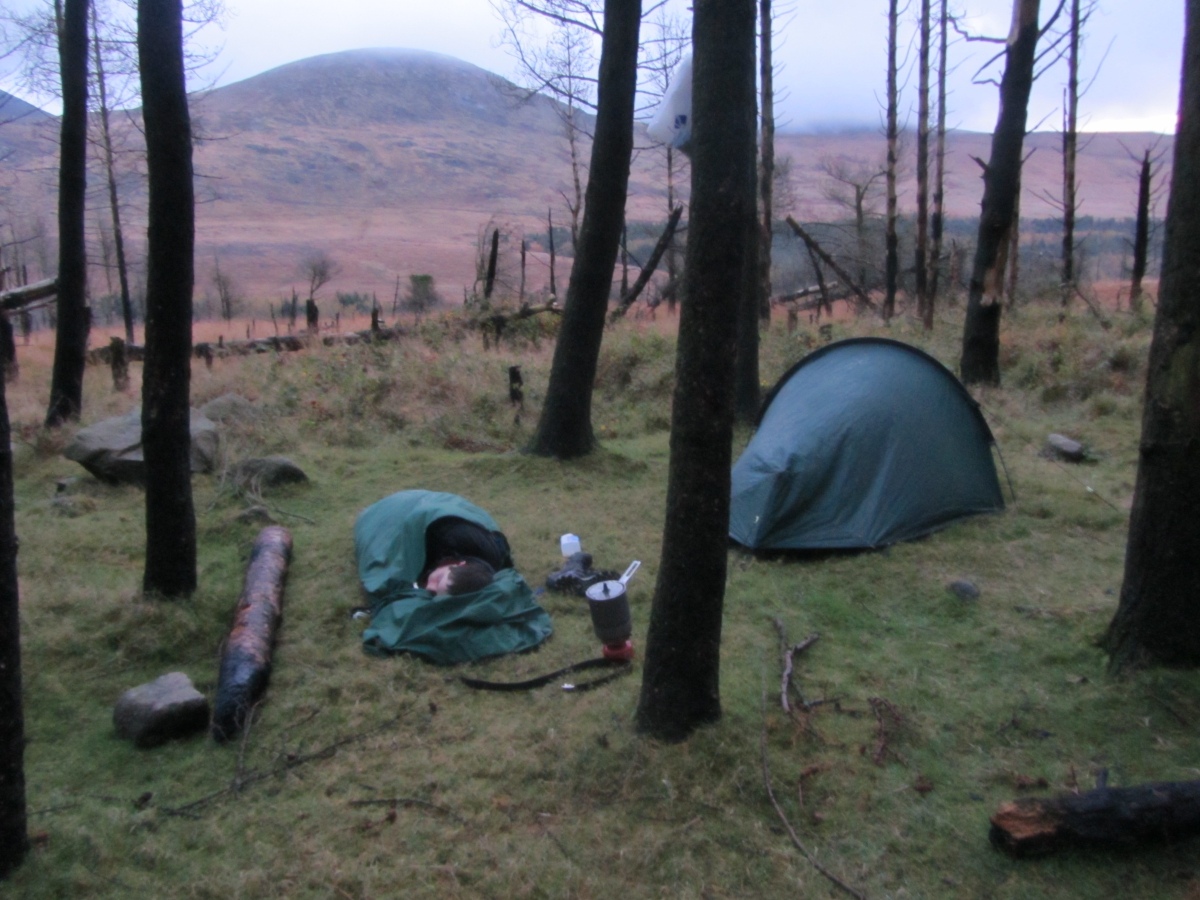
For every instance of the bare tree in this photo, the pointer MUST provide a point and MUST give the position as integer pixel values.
(114, 91)
(921, 254)
(852, 187)
(671, 39)
(108, 156)
(1147, 168)
(166, 420)
(70, 346)
(565, 428)
(318, 269)
(561, 65)
(937, 216)
(1156, 618)
(228, 299)
(892, 241)
(980, 361)
(1080, 13)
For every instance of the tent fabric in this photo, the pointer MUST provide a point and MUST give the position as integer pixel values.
(863, 443)
(389, 546)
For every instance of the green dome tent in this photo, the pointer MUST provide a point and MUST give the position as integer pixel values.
(861, 444)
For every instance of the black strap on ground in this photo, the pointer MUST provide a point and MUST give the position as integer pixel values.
(618, 668)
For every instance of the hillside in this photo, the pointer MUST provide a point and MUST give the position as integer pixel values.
(393, 161)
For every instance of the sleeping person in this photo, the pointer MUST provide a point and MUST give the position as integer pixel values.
(440, 579)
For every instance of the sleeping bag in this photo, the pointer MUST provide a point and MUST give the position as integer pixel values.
(390, 546)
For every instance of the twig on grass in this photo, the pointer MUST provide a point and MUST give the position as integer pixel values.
(880, 707)
(243, 779)
(799, 845)
(788, 653)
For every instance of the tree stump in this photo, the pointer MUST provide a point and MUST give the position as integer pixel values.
(119, 360)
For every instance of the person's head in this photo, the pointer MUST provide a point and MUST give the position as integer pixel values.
(453, 577)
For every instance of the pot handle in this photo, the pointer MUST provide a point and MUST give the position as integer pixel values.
(633, 567)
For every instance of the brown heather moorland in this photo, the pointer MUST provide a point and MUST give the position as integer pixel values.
(393, 162)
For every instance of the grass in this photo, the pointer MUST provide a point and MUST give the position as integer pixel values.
(373, 778)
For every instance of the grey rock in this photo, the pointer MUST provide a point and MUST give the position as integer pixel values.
(266, 472)
(112, 449)
(158, 711)
(230, 408)
(1063, 447)
(72, 507)
(963, 589)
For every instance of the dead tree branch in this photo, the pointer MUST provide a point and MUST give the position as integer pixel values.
(831, 262)
(664, 241)
(795, 838)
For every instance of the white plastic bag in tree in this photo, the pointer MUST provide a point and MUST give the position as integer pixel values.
(672, 124)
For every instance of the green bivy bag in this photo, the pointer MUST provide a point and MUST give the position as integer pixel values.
(389, 546)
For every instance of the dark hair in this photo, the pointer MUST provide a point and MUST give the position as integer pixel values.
(470, 575)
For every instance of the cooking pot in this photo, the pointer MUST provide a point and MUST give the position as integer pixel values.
(609, 606)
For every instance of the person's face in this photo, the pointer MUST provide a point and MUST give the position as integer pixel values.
(439, 579)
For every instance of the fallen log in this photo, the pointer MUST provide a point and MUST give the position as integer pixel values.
(18, 297)
(1101, 818)
(246, 658)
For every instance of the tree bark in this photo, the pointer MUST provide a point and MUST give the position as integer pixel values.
(937, 217)
(629, 296)
(110, 173)
(550, 241)
(1070, 142)
(14, 839)
(1103, 818)
(1141, 234)
(1158, 613)
(980, 362)
(891, 271)
(246, 659)
(681, 678)
(565, 428)
(70, 345)
(166, 380)
(766, 152)
(920, 256)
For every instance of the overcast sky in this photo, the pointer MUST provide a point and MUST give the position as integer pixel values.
(831, 54)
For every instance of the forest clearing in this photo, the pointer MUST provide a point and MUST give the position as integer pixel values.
(922, 712)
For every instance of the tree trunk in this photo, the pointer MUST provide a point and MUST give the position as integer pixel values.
(920, 256)
(1141, 234)
(489, 281)
(565, 427)
(111, 177)
(70, 345)
(980, 363)
(681, 678)
(937, 217)
(1070, 141)
(891, 271)
(1014, 252)
(14, 840)
(766, 151)
(166, 437)
(1157, 616)
(746, 390)
(550, 239)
